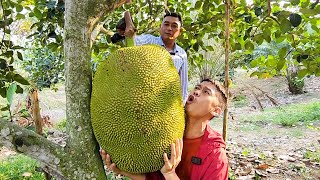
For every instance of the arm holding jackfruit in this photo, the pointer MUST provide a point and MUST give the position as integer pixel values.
(113, 167)
(168, 169)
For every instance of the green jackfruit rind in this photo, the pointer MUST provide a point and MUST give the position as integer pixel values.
(136, 107)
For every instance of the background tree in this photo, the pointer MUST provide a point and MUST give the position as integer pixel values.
(294, 22)
(66, 162)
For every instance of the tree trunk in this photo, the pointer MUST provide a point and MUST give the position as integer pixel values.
(295, 84)
(226, 70)
(34, 94)
(80, 158)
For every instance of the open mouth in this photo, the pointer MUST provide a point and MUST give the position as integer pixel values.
(191, 98)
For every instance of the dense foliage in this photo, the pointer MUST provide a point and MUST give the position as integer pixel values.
(260, 23)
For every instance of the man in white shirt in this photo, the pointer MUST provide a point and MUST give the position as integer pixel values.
(170, 30)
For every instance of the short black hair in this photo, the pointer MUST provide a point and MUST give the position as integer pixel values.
(173, 14)
(223, 94)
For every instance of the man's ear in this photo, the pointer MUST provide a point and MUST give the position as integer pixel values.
(215, 111)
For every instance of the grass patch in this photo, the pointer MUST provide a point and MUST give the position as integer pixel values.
(289, 115)
(61, 125)
(296, 133)
(250, 128)
(240, 101)
(313, 156)
(15, 166)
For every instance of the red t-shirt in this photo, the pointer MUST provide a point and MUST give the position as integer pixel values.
(214, 161)
(190, 148)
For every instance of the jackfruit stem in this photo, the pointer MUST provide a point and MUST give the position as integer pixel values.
(130, 42)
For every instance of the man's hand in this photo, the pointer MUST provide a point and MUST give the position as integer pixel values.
(130, 29)
(168, 170)
(107, 161)
(114, 169)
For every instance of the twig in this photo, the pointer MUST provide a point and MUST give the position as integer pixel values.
(289, 53)
(273, 100)
(256, 97)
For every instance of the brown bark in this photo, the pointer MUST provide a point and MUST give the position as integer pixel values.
(34, 93)
(80, 158)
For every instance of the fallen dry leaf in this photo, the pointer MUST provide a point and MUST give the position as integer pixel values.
(263, 166)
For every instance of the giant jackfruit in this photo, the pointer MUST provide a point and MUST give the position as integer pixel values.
(136, 107)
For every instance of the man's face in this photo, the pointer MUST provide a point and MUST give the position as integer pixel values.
(203, 101)
(170, 28)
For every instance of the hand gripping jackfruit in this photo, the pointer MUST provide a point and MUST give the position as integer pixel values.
(136, 107)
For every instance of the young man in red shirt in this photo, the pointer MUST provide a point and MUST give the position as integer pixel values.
(203, 155)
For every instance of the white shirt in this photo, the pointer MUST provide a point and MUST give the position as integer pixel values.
(179, 57)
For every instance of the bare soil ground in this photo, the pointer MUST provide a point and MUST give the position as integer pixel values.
(267, 150)
(256, 151)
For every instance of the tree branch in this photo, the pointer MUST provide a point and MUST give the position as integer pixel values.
(100, 8)
(269, 7)
(17, 138)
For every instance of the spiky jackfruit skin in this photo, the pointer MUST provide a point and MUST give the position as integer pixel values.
(136, 107)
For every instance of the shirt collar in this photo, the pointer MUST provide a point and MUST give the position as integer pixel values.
(163, 45)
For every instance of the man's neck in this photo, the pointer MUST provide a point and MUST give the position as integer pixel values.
(195, 128)
(169, 44)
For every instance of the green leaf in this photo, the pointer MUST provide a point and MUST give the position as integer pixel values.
(271, 62)
(6, 108)
(249, 46)
(282, 52)
(10, 92)
(19, 89)
(19, 8)
(206, 6)
(196, 46)
(18, 78)
(237, 46)
(19, 55)
(3, 92)
(37, 13)
(280, 64)
(258, 39)
(285, 26)
(7, 12)
(254, 63)
(280, 39)
(256, 73)
(198, 5)
(20, 16)
(218, 2)
(308, 12)
(16, 47)
(295, 2)
(8, 54)
(302, 73)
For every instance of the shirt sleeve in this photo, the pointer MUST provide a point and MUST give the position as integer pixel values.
(218, 169)
(183, 73)
(144, 39)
